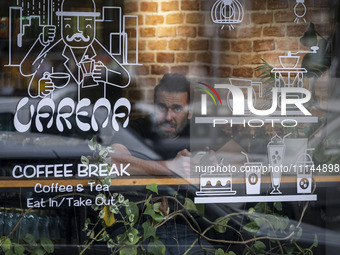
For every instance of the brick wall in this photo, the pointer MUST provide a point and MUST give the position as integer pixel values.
(179, 36)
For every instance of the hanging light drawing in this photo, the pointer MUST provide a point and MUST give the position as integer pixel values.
(227, 12)
(300, 4)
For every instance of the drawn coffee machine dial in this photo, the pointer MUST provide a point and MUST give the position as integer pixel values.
(227, 12)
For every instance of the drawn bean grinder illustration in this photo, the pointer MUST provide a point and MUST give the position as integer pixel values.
(76, 59)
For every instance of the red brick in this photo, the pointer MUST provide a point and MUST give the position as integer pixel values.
(243, 72)
(131, 21)
(131, 32)
(142, 70)
(220, 45)
(198, 44)
(255, 5)
(204, 57)
(287, 44)
(296, 30)
(228, 59)
(226, 33)
(224, 72)
(207, 31)
(206, 5)
(169, 6)
(249, 32)
(165, 57)
(186, 31)
(176, 18)
(180, 69)
(201, 70)
(276, 31)
(149, 7)
(141, 44)
(323, 29)
(194, 18)
(157, 44)
(241, 46)
(284, 16)
(246, 59)
(145, 82)
(263, 45)
(277, 4)
(178, 44)
(273, 58)
(147, 32)
(185, 57)
(154, 19)
(321, 3)
(189, 5)
(166, 31)
(158, 69)
(144, 57)
(262, 18)
(130, 7)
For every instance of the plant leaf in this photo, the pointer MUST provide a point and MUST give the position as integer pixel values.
(149, 230)
(128, 250)
(189, 205)
(251, 227)
(219, 251)
(47, 244)
(153, 187)
(29, 239)
(109, 217)
(156, 248)
(221, 224)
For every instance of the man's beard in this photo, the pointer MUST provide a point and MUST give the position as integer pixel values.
(167, 129)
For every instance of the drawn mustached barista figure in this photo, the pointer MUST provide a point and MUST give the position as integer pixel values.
(75, 58)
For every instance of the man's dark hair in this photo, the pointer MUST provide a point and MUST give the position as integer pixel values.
(174, 83)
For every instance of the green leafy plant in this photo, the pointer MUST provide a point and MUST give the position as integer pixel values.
(262, 229)
(26, 245)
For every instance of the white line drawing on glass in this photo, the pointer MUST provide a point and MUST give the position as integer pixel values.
(227, 12)
(304, 172)
(276, 154)
(289, 69)
(77, 51)
(216, 184)
(256, 88)
(253, 171)
(300, 10)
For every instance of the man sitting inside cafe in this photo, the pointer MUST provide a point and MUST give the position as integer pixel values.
(165, 131)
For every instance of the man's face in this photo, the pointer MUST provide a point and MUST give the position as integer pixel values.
(78, 31)
(172, 112)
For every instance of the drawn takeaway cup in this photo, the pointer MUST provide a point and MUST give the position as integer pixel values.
(50, 81)
(276, 153)
(253, 171)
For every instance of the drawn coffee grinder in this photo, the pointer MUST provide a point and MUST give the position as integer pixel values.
(253, 172)
(276, 154)
(304, 164)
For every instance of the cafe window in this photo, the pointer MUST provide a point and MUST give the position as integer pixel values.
(169, 127)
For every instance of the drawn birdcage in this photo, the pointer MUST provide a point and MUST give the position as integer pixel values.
(227, 12)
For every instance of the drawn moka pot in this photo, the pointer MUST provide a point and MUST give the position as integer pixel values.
(276, 154)
(87, 66)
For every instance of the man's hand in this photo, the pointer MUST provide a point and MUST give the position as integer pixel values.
(48, 34)
(99, 72)
(180, 164)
